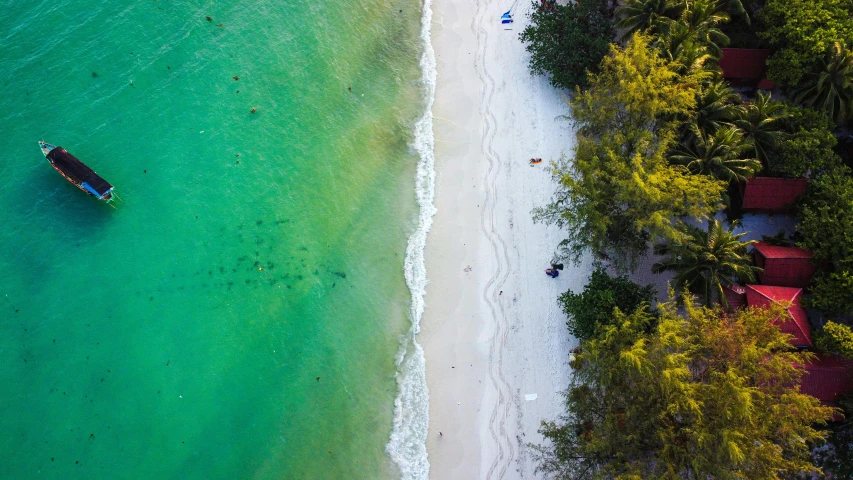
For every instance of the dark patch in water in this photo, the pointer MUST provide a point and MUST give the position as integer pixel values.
(94, 74)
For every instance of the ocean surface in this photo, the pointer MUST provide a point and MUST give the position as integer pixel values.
(239, 314)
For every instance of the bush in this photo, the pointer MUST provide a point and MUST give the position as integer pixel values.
(594, 306)
(835, 338)
(807, 147)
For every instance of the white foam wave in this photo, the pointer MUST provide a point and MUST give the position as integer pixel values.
(407, 446)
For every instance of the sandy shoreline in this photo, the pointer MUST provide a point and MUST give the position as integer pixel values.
(496, 345)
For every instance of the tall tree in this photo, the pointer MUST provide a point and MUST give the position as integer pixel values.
(806, 148)
(835, 338)
(568, 41)
(704, 396)
(761, 124)
(826, 220)
(802, 31)
(707, 260)
(620, 191)
(830, 88)
(717, 105)
(593, 308)
(720, 155)
(703, 19)
(652, 17)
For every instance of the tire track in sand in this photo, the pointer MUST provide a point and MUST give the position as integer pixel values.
(501, 410)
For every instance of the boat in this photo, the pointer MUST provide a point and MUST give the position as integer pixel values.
(77, 172)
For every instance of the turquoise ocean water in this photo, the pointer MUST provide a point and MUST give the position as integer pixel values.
(238, 314)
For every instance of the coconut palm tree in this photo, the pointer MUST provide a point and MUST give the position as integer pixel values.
(707, 260)
(720, 155)
(680, 47)
(761, 124)
(717, 105)
(830, 89)
(651, 16)
(703, 18)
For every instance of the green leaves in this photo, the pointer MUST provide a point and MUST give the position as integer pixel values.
(835, 338)
(568, 41)
(705, 261)
(830, 88)
(620, 190)
(700, 396)
(593, 308)
(803, 31)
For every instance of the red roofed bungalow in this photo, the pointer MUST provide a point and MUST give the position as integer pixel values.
(769, 194)
(784, 266)
(797, 323)
(827, 378)
(745, 66)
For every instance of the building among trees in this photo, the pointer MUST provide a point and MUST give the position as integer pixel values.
(771, 194)
(783, 266)
(796, 322)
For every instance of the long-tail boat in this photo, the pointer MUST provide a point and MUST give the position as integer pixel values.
(77, 172)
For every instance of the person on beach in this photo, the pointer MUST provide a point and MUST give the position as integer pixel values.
(552, 272)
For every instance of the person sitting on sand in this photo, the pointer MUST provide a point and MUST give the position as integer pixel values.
(552, 272)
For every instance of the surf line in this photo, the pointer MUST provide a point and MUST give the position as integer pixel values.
(407, 446)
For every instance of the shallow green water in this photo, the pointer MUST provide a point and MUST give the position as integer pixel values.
(238, 314)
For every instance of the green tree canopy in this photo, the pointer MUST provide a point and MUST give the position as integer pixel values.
(761, 123)
(831, 292)
(568, 41)
(593, 308)
(802, 31)
(835, 338)
(830, 87)
(704, 396)
(826, 220)
(807, 146)
(706, 260)
(652, 17)
(619, 190)
(723, 155)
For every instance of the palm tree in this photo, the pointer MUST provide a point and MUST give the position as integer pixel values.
(703, 18)
(717, 105)
(761, 124)
(652, 16)
(831, 89)
(719, 155)
(678, 46)
(707, 260)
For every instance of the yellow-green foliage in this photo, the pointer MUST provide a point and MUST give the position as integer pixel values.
(619, 191)
(703, 396)
(836, 338)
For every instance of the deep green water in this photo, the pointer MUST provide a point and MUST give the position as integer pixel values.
(238, 314)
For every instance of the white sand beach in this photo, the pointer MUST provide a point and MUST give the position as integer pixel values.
(496, 343)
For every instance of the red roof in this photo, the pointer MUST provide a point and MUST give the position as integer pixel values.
(744, 65)
(769, 194)
(797, 323)
(827, 377)
(784, 266)
(736, 296)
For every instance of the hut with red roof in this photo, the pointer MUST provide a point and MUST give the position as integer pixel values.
(771, 194)
(745, 67)
(796, 322)
(827, 378)
(783, 266)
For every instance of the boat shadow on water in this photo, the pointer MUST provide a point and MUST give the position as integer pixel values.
(63, 204)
